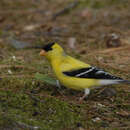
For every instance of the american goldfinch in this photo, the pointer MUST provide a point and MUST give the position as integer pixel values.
(76, 74)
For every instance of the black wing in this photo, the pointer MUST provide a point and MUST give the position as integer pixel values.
(91, 72)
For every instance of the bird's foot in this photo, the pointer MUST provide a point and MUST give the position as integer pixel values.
(86, 93)
(82, 98)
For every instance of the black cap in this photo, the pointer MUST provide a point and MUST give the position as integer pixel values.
(48, 46)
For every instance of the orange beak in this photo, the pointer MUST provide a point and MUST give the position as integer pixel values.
(42, 53)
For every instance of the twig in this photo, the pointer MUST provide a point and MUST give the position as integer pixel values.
(26, 126)
(16, 76)
(113, 67)
(65, 10)
(115, 49)
(17, 67)
(29, 11)
(110, 50)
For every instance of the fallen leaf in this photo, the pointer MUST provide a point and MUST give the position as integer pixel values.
(123, 113)
(96, 119)
(113, 40)
(30, 27)
(72, 42)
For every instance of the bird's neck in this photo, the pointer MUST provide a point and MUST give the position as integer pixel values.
(58, 59)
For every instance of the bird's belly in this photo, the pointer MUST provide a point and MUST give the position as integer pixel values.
(77, 83)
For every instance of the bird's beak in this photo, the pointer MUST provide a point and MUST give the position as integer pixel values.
(42, 53)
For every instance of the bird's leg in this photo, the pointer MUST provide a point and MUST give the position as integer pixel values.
(86, 93)
(58, 84)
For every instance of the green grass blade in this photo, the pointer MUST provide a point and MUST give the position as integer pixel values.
(45, 79)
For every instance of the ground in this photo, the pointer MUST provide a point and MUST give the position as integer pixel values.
(86, 31)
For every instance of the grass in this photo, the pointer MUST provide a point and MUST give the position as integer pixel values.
(27, 103)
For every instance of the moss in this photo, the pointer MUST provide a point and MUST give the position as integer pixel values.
(59, 114)
(6, 122)
(48, 113)
(26, 103)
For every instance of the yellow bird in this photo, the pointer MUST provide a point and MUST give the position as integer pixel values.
(76, 74)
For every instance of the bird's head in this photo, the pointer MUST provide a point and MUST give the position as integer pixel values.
(51, 50)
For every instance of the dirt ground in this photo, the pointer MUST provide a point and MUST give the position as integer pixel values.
(94, 31)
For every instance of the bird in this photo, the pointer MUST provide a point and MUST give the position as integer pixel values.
(75, 74)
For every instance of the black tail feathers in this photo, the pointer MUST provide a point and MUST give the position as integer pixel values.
(124, 81)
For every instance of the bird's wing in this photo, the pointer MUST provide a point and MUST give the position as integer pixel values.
(91, 72)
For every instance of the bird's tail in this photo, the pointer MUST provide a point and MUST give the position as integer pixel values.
(124, 81)
(110, 82)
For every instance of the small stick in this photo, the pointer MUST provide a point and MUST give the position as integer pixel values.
(65, 10)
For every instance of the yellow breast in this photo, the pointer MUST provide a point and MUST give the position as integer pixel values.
(68, 64)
